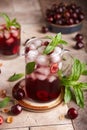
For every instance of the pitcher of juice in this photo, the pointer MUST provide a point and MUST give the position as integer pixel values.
(43, 57)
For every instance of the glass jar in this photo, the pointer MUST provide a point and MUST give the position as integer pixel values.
(41, 79)
(9, 41)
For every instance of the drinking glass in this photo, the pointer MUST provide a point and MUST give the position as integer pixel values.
(9, 40)
(42, 82)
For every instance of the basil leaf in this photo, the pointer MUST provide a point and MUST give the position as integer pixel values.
(49, 37)
(55, 41)
(30, 67)
(79, 96)
(15, 77)
(9, 22)
(67, 95)
(5, 16)
(58, 37)
(84, 72)
(4, 102)
(76, 70)
(83, 85)
(49, 49)
(62, 42)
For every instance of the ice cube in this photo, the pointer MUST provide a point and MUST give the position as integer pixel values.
(55, 57)
(37, 43)
(6, 34)
(15, 32)
(1, 34)
(33, 76)
(10, 40)
(32, 47)
(44, 70)
(58, 50)
(32, 54)
(41, 49)
(51, 78)
(1, 27)
(42, 60)
(41, 76)
(60, 65)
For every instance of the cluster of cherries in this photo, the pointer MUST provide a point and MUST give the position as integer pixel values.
(79, 41)
(63, 14)
(17, 108)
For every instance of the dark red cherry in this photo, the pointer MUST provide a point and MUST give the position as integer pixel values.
(16, 109)
(27, 49)
(79, 45)
(70, 21)
(81, 16)
(72, 113)
(1, 120)
(44, 29)
(79, 37)
(19, 94)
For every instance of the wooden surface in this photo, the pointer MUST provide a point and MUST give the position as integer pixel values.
(28, 13)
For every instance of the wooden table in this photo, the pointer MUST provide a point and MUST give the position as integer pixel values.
(31, 23)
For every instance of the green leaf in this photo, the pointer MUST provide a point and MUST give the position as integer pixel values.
(55, 41)
(79, 96)
(83, 85)
(30, 67)
(49, 37)
(67, 95)
(76, 70)
(15, 77)
(6, 17)
(4, 102)
(10, 22)
(84, 72)
(62, 42)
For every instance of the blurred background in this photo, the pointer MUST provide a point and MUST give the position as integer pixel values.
(30, 11)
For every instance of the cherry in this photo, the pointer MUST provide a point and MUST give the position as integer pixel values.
(79, 45)
(72, 113)
(62, 14)
(1, 120)
(16, 109)
(70, 21)
(19, 94)
(54, 68)
(79, 37)
(44, 29)
(27, 49)
(81, 16)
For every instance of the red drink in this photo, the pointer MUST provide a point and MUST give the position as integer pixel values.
(9, 36)
(42, 84)
(9, 40)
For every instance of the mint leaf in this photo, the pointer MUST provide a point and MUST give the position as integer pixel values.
(4, 102)
(79, 96)
(67, 95)
(30, 67)
(10, 22)
(76, 70)
(72, 86)
(5, 16)
(55, 41)
(15, 77)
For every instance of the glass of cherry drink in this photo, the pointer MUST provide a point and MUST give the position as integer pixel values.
(42, 66)
(9, 37)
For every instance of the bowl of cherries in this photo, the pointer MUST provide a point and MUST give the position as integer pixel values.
(64, 18)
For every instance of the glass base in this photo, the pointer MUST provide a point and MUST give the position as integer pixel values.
(30, 105)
